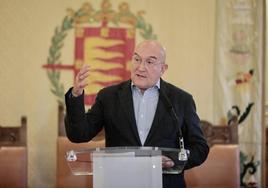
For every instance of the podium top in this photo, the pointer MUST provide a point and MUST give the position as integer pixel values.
(139, 151)
(80, 161)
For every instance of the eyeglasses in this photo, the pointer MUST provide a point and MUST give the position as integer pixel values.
(149, 62)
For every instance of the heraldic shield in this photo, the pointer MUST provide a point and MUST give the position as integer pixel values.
(108, 52)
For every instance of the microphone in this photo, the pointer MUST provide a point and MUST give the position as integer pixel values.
(183, 152)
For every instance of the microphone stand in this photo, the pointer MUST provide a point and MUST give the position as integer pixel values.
(183, 153)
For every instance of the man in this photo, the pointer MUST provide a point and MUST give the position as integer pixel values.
(136, 112)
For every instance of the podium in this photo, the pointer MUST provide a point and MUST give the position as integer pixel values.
(120, 167)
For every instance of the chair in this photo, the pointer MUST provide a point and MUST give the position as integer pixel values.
(221, 169)
(65, 178)
(266, 167)
(13, 156)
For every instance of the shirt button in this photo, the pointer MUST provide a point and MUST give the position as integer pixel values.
(141, 115)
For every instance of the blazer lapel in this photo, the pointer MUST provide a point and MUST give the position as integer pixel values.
(126, 102)
(159, 113)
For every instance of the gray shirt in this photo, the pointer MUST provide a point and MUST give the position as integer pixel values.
(145, 106)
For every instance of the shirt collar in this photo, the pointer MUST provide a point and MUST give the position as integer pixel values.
(157, 85)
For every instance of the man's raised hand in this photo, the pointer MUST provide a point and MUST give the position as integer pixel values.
(81, 80)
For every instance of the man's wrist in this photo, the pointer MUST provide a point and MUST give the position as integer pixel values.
(74, 94)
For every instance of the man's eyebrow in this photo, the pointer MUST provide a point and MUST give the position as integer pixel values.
(154, 57)
(136, 54)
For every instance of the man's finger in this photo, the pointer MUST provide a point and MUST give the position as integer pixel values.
(82, 85)
(84, 69)
(83, 76)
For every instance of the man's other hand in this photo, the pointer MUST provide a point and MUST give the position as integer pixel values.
(167, 162)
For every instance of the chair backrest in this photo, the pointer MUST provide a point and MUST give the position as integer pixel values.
(13, 155)
(220, 170)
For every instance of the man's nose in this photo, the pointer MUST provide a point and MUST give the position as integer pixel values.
(142, 65)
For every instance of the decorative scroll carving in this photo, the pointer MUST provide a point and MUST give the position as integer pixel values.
(14, 136)
(220, 134)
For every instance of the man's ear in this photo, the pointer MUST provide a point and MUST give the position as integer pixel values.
(164, 68)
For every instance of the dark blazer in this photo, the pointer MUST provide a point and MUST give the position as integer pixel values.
(114, 111)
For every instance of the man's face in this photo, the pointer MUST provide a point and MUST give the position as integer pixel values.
(147, 65)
